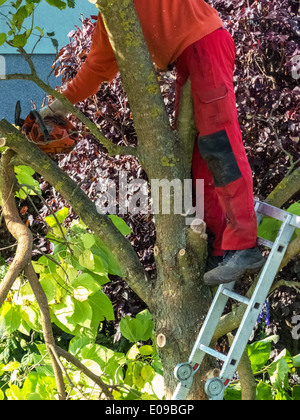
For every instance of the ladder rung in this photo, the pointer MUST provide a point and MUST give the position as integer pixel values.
(265, 242)
(236, 296)
(212, 352)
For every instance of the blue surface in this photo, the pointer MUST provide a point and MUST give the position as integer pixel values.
(23, 90)
(50, 19)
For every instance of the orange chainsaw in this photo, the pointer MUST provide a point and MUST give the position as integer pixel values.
(52, 134)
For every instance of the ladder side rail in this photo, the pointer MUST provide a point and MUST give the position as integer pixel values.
(258, 298)
(181, 392)
(259, 216)
(210, 324)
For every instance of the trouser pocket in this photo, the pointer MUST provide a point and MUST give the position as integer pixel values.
(213, 109)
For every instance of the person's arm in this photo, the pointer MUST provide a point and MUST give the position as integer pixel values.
(100, 66)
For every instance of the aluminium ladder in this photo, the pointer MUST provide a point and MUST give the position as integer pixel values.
(215, 387)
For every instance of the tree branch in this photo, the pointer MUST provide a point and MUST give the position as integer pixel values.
(289, 186)
(98, 381)
(14, 224)
(133, 271)
(246, 377)
(22, 259)
(46, 325)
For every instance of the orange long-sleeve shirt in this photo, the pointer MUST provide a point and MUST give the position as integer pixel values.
(169, 27)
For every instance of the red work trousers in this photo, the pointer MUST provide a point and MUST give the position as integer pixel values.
(219, 156)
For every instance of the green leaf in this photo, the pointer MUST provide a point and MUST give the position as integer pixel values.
(57, 3)
(19, 41)
(76, 344)
(233, 393)
(120, 224)
(84, 285)
(61, 215)
(14, 393)
(139, 328)
(50, 288)
(259, 353)
(2, 38)
(137, 377)
(296, 392)
(264, 392)
(133, 352)
(295, 209)
(107, 359)
(88, 240)
(11, 366)
(2, 2)
(2, 326)
(30, 383)
(102, 307)
(34, 396)
(147, 373)
(268, 228)
(86, 259)
(278, 372)
(146, 350)
(82, 314)
(24, 175)
(31, 316)
(296, 360)
(12, 320)
(64, 311)
(40, 30)
(110, 261)
(282, 395)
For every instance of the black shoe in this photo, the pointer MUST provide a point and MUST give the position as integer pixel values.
(212, 262)
(234, 265)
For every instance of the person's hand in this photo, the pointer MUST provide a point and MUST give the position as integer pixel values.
(54, 108)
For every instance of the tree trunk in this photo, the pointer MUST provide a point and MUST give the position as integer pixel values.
(180, 302)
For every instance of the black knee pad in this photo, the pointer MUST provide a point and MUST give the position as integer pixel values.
(216, 150)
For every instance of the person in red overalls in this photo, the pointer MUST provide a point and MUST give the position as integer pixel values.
(190, 33)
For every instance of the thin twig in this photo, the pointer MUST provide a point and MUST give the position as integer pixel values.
(47, 328)
(98, 381)
(72, 385)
